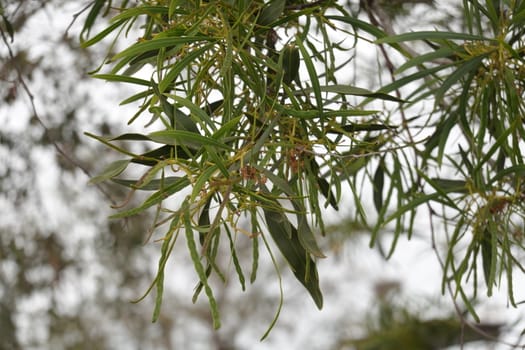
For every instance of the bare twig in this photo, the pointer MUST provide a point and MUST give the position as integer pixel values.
(76, 15)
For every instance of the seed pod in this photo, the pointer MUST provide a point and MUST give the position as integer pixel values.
(291, 62)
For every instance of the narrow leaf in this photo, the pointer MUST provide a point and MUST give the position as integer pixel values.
(430, 36)
(356, 91)
(301, 263)
(198, 265)
(112, 170)
(122, 79)
(271, 12)
(155, 198)
(157, 44)
(186, 138)
(378, 181)
(153, 185)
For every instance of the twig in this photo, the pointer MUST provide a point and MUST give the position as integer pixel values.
(76, 15)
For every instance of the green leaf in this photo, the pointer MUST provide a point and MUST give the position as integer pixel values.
(112, 170)
(354, 127)
(96, 7)
(316, 113)
(298, 258)
(469, 66)
(157, 44)
(155, 198)
(489, 256)
(130, 137)
(326, 191)
(513, 171)
(178, 119)
(447, 185)
(305, 234)
(134, 12)
(180, 65)
(122, 79)
(186, 138)
(300, 262)
(440, 136)
(197, 113)
(355, 91)
(291, 63)
(378, 183)
(153, 185)
(324, 185)
(271, 12)
(165, 250)
(102, 34)
(202, 179)
(357, 23)
(312, 73)
(413, 204)
(443, 52)
(399, 83)
(198, 265)
(152, 157)
(306, 237)
(430, 36)
(172, 8)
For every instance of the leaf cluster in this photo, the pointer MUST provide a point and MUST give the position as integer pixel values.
(255, 131)
(247, 126)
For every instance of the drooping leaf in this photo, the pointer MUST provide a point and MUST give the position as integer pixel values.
(324, 185)
(430, 36)
(93, 15)
(181, 65)
(122, 79)
(489, 258)
(355, 91)
(354, 127)
(271, 12)
(291, 63)
(185, 138)
(378, 183)
(307, 238)
(326, 191)
(312, 74)
(298, 258)
(131, 137)
(449, 185)
(198, 266)
(155, 198)
(153, 185)
(156, 44)
(112, 170)
(167, 151)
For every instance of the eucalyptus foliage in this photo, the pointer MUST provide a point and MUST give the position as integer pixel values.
(254, 131)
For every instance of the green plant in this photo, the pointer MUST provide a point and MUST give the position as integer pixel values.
(255, 127)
